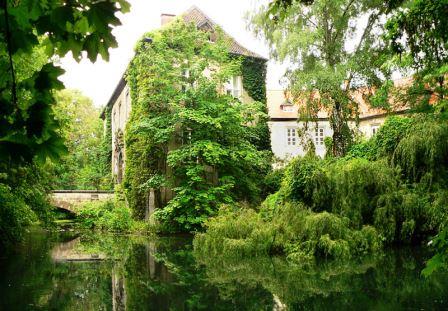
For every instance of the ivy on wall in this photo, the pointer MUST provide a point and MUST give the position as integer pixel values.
(188, 144)
(253, 71)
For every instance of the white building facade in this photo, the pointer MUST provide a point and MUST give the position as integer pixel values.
(290, 136)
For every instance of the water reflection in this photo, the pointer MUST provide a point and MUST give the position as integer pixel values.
(105, 272)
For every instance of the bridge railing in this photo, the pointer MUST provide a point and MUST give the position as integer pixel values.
(82, 191)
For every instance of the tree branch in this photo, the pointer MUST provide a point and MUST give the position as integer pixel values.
(343, 15)
(370, 22)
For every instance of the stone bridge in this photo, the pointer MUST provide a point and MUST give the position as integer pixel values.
(69, 199)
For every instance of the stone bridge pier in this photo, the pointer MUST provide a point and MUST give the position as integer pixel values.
(69, 199)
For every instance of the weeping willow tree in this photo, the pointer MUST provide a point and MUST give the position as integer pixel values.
(334, 48)
(423, 153)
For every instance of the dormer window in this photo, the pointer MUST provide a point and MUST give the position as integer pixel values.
(205, 26)
(287, 106)
(234, 86)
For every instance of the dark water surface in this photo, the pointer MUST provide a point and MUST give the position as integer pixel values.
(87, 271)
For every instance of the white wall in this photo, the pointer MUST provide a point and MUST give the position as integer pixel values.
(283, 151)
(279, 138)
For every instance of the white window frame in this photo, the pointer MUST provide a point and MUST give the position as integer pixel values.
(374, 128)
(319, 136)
(185, 75)
(287, 108)
(234, 86)
(291, 136)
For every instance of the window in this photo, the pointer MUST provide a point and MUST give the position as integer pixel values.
(291, 134)
(319, 136)
(185, 75)
(128, 97)
(375, 128)
(119, 114)
(287, 108)
(233, 86)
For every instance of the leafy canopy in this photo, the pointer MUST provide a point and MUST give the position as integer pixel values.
(32, 33)
(84, 167)
(332, 52)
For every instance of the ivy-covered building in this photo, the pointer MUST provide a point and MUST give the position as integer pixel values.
(248, 87)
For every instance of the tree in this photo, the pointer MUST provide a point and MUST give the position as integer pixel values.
(27, 126)
(184, 132)
(33, 34)
(418, 36)
(332, 54)
(82, 130)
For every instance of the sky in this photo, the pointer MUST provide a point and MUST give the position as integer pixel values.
(98, 80)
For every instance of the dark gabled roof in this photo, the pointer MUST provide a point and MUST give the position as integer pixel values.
(195, 15)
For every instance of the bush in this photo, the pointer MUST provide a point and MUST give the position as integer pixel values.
(423, 152)
(105, 216)
(15, 214)
(23, 200)
(303, 180)
(293, 230)
(356, 186)
(385, 141)
(390, 134)
(273, 181)
(335, 208)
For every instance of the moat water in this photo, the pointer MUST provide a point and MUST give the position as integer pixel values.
(91, 271)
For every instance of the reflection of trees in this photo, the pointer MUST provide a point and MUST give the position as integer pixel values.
(390, 280)
(32, 280)
(160, 274)
(118, 289)
(171, 280)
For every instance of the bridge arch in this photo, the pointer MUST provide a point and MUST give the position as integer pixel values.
(70, 200)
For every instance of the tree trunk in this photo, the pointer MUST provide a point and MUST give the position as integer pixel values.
(338, 125)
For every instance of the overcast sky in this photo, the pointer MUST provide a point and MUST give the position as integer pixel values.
(99, 79)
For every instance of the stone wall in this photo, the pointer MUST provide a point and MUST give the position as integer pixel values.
(69, 199)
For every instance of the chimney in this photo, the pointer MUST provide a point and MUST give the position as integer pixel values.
(166, 18)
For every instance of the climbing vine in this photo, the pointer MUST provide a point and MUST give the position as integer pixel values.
(253, 71)
(189, 146)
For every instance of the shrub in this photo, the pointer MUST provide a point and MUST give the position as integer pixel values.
(15, 214)
(347, 187)
(293, 230)
(390, 134)
(423, 152)
(355, 187)
(304, 179)
(105, 216)
(273, 181)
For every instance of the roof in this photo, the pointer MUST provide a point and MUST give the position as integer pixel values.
(195, 15)
(278, 98)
